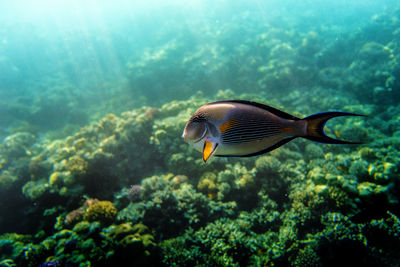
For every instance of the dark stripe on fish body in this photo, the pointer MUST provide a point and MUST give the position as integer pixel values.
(246, 118)
(240, 141)
(260, 120)
(248, 137)
(252, 130)
(259, 133)
(255, 127)
(254, 122)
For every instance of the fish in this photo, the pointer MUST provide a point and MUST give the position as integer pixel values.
(242, 128)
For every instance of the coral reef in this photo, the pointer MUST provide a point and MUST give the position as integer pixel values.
(278, 208)
(126, 190)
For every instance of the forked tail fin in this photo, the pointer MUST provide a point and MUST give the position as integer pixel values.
(316, 124)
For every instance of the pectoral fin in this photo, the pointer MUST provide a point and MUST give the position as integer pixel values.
(209, 149)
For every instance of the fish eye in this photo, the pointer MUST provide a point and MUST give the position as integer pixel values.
(195, 131)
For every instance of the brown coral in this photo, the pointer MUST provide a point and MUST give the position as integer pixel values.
(90, 202)
(151, 113)
(74, 216)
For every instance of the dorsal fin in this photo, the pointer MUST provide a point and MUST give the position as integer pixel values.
(275, 111)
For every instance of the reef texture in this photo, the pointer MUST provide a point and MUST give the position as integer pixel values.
(126, 190)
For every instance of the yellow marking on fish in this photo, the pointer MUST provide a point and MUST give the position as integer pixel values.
(337, 133)
(207, 150)
(226, 126)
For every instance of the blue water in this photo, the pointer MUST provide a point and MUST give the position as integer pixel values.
(67, 61)
(67, 66)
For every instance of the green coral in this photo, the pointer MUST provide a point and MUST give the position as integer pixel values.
(220, 243)
(7, 263)
(224, 242)
(125, 239)
(12, 247)
(128, 235)
(103, 211)
(81, 227)
(207, 184)
(86, 244)
(169, 209)
(6, 180)
(35, 189)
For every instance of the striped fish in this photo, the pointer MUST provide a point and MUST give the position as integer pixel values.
(239, 128)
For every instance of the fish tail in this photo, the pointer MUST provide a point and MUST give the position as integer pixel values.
(316, 124)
